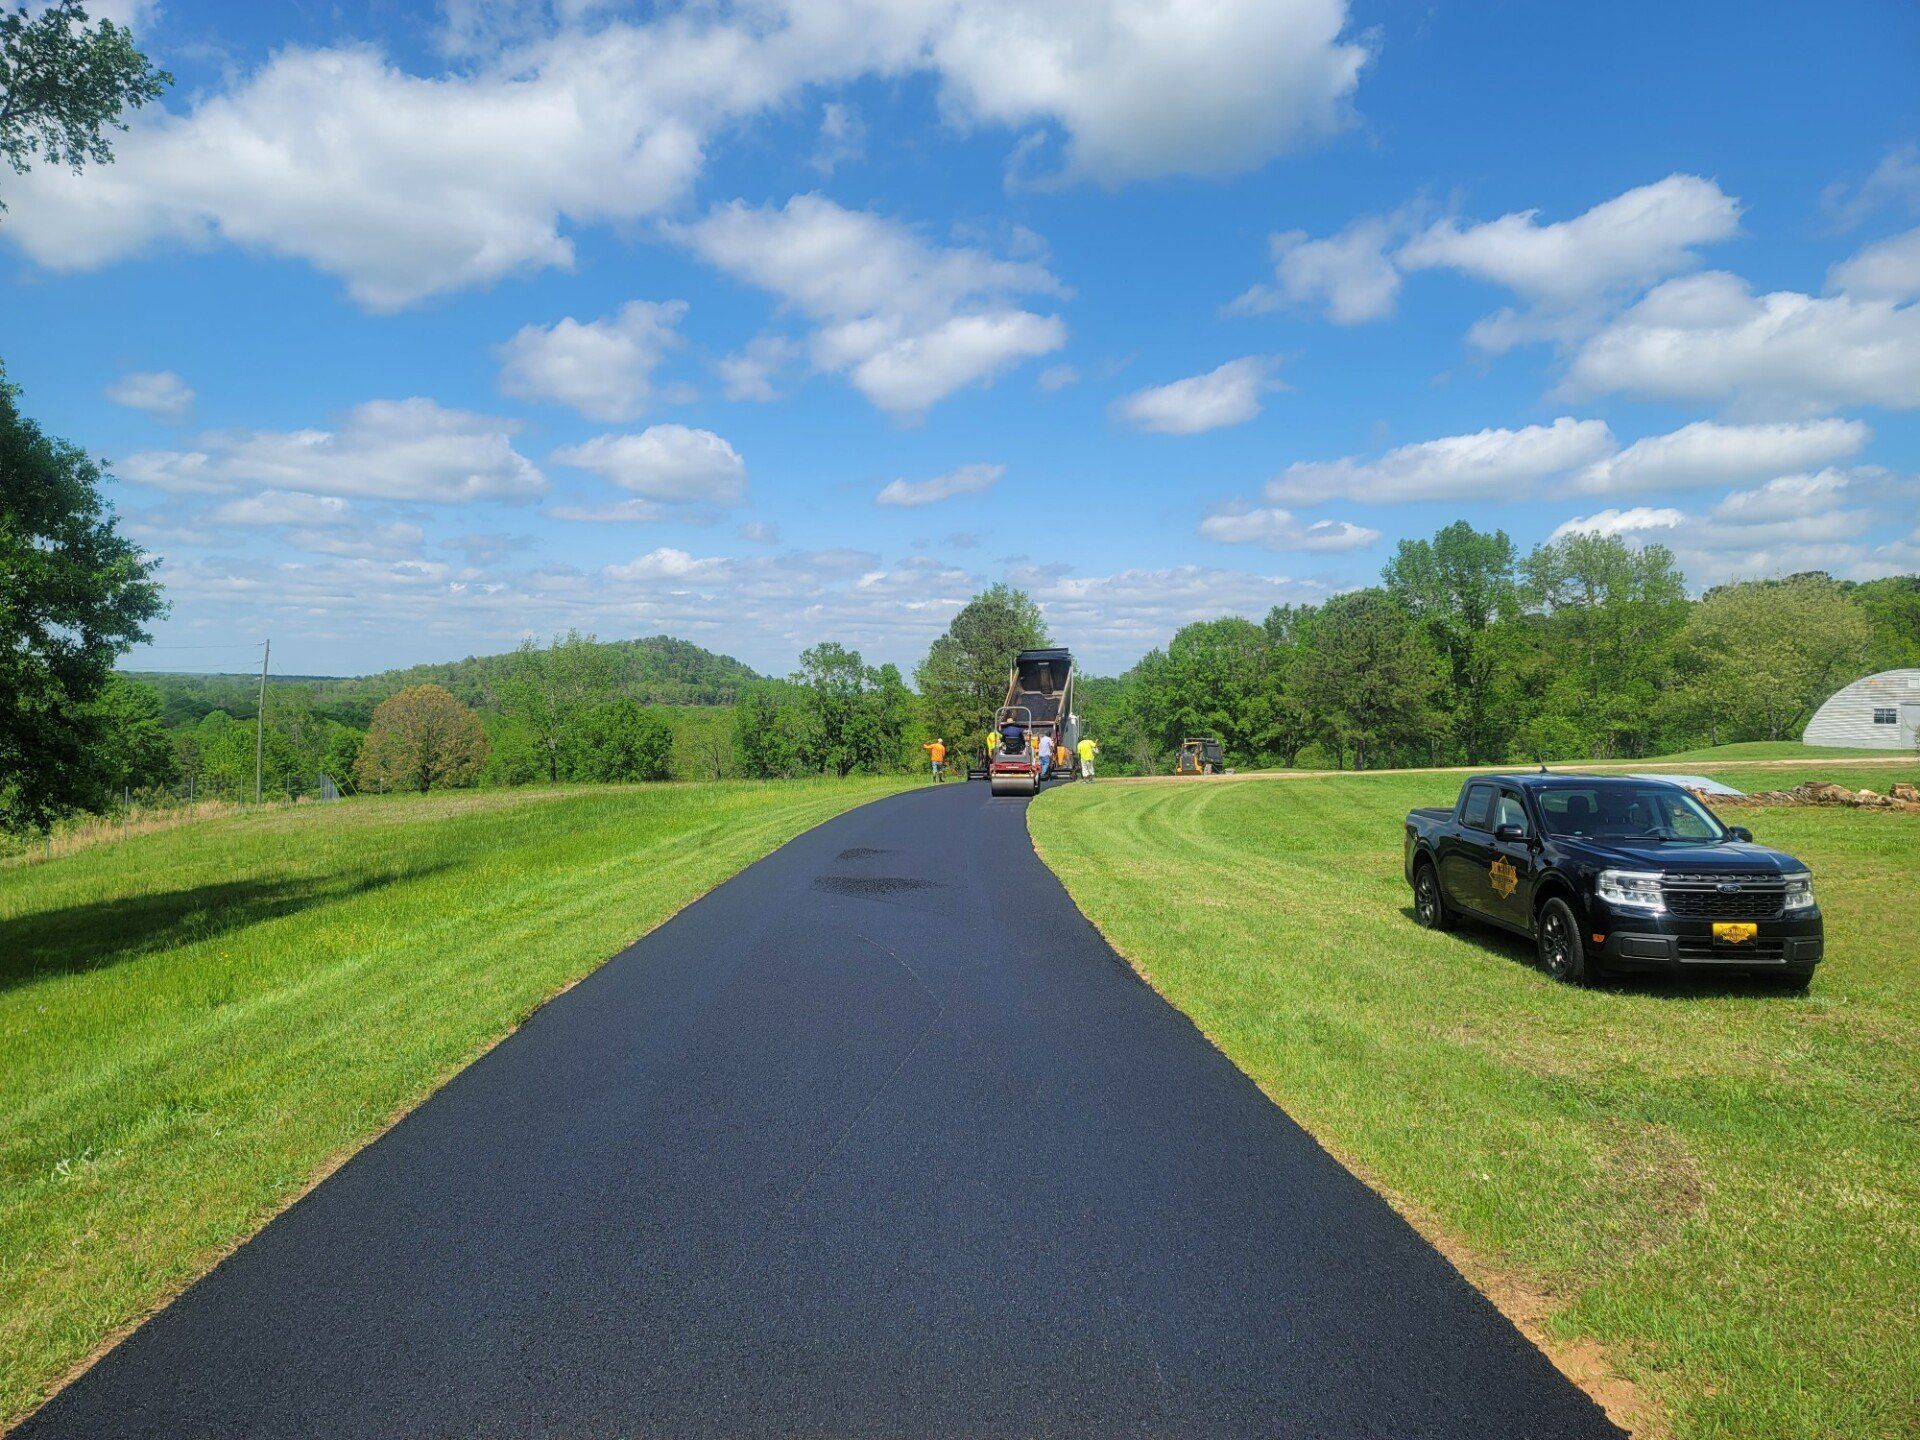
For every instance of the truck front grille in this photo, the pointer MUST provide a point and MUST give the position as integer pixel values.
(1724, 897)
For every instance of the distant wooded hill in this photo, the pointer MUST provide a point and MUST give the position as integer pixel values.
(656, 670)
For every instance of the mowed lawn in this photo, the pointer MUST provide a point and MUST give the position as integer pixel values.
(1719, 1185)
(195, 1023)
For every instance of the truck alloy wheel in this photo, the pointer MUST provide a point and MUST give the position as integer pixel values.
(1428, 908)
(1562, 955)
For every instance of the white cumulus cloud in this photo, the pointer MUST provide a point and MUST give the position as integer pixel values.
(1639, 520)
(1349, 276)
(906, 321)
(382, 449)
(967, 480)
(1282, 530)
(602, 368)
(1631, 239)
(1707, 453)
(1492, 464)
(1228, 394)
(1145, 88)
(159, 393)
(672, 463)
(1886, 270)
(1710, 338)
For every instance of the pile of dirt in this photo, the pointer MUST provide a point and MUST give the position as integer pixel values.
(1904, 796)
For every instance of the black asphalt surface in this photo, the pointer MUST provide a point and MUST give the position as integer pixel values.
(878, 1139)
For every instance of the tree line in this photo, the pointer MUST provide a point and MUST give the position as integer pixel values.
(1468, 652)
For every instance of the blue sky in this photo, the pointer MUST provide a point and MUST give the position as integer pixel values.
(410, 331)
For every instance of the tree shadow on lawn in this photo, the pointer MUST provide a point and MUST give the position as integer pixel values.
(1657, 984)
(105, 932)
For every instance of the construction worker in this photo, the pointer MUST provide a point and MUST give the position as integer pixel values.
(1089, 747)
(1046, 754)
(936, 748)
(993, 744)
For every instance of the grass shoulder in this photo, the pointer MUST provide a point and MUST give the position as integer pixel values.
(1716, 1186)
(195, 1023)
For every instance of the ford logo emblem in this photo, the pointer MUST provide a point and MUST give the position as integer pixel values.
(1729, 887)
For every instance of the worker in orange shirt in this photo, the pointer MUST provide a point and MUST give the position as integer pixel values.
(937, 751)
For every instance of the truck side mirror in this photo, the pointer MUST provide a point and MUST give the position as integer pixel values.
(1740, 832)
(1510, 832)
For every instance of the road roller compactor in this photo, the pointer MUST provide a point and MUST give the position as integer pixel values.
(1039, 703)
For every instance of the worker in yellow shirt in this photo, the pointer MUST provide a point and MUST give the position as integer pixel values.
(937, 751)
(1088, 748)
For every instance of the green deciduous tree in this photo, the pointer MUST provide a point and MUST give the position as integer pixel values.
(1368, 674)
(421, 738)
(134, 750)
(64, 83)
(963, 678)
(1607, 615)
(74, 593)
(1463, 587)
(1764, 654)
(619, 740)
(547, 689)
(769, 731)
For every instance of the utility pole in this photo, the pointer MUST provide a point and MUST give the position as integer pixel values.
(260, 720)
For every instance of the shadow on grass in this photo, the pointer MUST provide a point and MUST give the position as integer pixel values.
(106, 932)
(1658, 984)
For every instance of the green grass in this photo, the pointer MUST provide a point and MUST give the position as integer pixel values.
(194, 1023)
(1768, 750)
(1719, 1186)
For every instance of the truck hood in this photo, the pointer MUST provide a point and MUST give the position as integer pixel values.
(1728, 856)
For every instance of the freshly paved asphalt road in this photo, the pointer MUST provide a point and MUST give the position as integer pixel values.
(879, 1138)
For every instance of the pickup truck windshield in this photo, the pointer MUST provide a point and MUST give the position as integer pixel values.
(1627, 812)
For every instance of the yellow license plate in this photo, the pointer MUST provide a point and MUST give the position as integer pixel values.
(1734, 932)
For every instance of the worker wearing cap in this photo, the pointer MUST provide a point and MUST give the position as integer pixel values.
(1089, 747)
(937, 750)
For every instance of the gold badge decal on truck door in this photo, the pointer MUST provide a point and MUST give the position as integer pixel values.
(1503, 877)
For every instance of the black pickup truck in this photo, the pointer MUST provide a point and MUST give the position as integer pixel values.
(1613, 873)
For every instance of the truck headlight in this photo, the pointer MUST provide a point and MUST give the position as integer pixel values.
(1635, 888)
(1799, 894)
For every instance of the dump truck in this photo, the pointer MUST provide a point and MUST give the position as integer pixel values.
(1201, 755)
(1039, 702)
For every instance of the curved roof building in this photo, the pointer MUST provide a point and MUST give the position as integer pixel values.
(1881, 712)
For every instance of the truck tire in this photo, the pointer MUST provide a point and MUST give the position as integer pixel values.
(1563, 953)
(1429, 905)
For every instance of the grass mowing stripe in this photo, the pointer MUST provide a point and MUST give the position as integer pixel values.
(196, 1021)
(1720, 1186)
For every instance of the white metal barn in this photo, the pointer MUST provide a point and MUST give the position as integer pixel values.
(1881, 712)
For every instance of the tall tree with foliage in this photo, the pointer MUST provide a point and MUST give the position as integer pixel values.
(1369, 675)
(963, 678)
(1768, 652)
(74, 593)
(619, 740)
(769, 736)
(1892, 608)
(64, 83)
(1463, 587)
(420, 739)
(547, 689)
(1219, 677)
(1609, 614)
(134, 750)
(855, 715)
